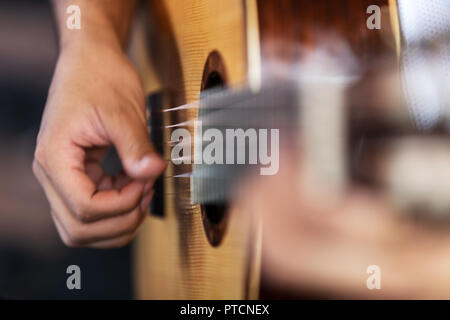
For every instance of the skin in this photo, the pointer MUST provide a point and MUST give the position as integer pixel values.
(322, 243)
(90, 108)
(308, 242)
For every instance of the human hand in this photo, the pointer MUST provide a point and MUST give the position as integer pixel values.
(95, 101)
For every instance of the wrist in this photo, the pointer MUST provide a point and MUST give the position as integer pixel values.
(90, 45)
(96, 31)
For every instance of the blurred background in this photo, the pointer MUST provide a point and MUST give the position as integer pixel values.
(33, 260)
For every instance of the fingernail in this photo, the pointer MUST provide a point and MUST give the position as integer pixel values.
(144, 162)
(146, 200)
(153, 159)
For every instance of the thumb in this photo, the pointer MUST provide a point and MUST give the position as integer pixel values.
(129, 135)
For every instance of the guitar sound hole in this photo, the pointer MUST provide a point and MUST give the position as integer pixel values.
(215, 212)
(214, 221)
(214, 215)
(214, 80)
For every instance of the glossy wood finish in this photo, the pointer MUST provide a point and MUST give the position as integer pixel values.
(174, 258)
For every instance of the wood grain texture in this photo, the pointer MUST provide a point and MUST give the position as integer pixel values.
(174, 259)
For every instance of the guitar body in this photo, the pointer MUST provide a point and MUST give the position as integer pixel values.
(191, 251)
(174, 258)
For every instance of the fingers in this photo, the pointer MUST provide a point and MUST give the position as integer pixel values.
(86, 201)
(132, 142)
(77, 129)
(94, 171)
(90, 208)
(111, 232)
(89, 204)
(146, 199)
(103, 244)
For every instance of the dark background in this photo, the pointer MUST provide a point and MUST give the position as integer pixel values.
(33, 260)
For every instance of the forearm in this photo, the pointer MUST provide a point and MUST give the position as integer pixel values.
(102, 21)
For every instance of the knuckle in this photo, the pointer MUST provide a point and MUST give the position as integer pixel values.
(66, 238)
(39, 157)
(35, 167)
(76, 236)
(82, 212)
